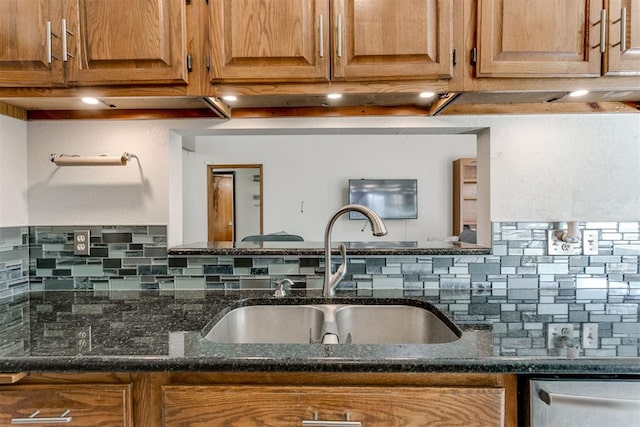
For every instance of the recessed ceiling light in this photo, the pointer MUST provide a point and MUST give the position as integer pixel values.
(90, 100)
(230, 98)
(427, 95)
(577, 93)
(334, 96)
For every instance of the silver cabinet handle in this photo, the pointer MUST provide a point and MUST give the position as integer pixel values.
(321, 35)
(623, 29)
(603, 30)
(34, 419)
(339, 36)
(65, 32)
(48, 44)
(550, 398)
(315, 422)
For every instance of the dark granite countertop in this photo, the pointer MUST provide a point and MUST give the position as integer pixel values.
(371, 248)
(161, 331)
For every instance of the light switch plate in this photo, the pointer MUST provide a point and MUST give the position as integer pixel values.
(81, 242)
(590, 242)
(590, 335)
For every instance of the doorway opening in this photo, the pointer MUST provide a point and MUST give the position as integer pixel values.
(235, 202)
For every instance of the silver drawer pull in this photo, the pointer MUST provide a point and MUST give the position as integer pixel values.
(554, 398)
(34, 419)
(319, 423)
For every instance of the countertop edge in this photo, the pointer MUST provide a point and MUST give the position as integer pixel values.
(529, 366)
(320, 252)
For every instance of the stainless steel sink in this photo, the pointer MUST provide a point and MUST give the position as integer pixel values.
(396, 324)
(333, 323)
(268, 324)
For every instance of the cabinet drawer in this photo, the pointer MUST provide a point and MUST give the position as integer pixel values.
(82, 404)
(371, 406)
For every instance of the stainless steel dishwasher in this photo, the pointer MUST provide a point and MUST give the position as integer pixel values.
(584, 403)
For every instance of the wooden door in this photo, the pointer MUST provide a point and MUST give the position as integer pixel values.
(623, 47)
(126, 42)
(269, 40)
(382, 40)
(221, 222)
(542, 38)
(25, 43)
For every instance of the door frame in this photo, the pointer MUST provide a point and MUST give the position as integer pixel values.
(211, 169)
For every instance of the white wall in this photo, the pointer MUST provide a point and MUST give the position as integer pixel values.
(248, 209)
(543, 168)
(305, 179)
(13, 172)
(134, 194)
(563, 167)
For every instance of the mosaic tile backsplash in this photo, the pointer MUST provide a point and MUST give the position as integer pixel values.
(519, 289)
(14, 288)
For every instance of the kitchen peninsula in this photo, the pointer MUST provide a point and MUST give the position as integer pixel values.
(316, 248)
(143, 353)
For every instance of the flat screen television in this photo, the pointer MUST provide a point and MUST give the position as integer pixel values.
(389, 198)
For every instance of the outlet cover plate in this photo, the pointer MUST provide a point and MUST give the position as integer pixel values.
(555, 246)
(81, 242)
(557, 330)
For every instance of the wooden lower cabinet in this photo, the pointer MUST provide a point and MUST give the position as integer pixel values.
(294, 405)
(192, 399)
(74, 404)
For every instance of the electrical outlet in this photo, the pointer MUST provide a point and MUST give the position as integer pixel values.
(590, 242)
(559, 335)
(590, 335)
(81, 242)
(555, 246)
(83, 339)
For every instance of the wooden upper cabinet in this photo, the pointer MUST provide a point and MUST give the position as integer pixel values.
(385, 40)
(126, 42)
(542, 38)
(269, 40)
(28, 44)
(623, 38)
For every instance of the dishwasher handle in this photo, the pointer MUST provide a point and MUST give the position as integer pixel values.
(550, 398)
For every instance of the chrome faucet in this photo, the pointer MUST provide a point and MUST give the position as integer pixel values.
(331, 280)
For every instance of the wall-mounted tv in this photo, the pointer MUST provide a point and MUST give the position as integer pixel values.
(389, 198)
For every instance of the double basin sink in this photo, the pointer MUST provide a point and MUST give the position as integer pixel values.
(332, 322)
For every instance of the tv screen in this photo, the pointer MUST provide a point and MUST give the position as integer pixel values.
(389, 198)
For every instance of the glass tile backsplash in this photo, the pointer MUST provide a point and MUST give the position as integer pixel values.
(14, 287)
(519, 289)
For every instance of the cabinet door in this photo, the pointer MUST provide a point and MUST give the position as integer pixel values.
(383, 40)
(542, 38)
(269, 40)
(126, 42)
(27, 48)
(195, 406)
(623, 47)
(73, 404)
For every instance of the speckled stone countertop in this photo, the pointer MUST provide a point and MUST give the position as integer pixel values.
(162, 331)
(317, 248)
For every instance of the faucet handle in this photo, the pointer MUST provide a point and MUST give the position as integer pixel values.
(342, 269)
(280, 290)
